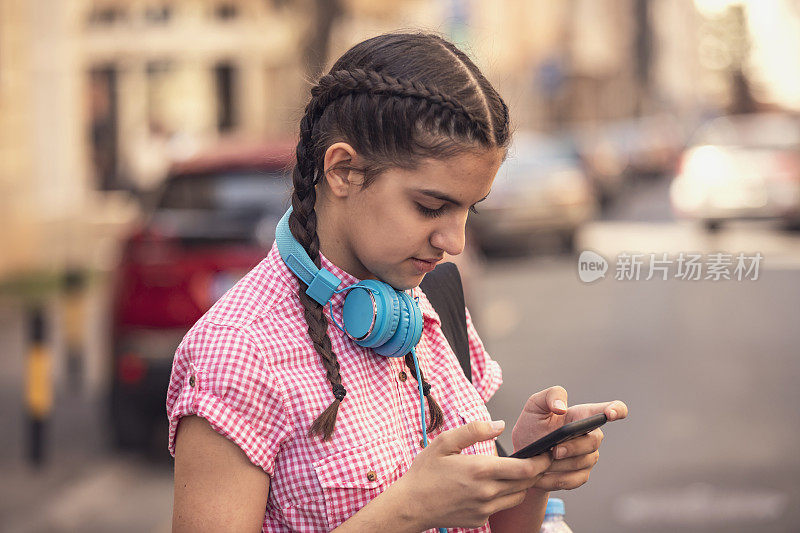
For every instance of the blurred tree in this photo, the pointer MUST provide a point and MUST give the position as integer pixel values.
(324, 17)
(727, 48)
(738, 40)
(643, 53)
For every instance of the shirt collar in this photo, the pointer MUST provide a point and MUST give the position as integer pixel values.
(429, 314)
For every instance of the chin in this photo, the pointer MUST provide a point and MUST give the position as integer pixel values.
(403, 285)
(402, 282)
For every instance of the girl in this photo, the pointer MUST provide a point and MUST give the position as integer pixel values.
(279, 421)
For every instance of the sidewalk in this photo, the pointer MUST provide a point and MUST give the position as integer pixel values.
(84, 485)
(106, 494)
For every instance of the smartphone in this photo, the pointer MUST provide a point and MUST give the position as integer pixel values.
(564, 433)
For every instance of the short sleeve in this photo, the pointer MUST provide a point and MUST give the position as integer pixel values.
(487, 375)
(219, 374)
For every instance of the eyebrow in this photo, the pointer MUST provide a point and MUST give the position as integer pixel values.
(442, 196)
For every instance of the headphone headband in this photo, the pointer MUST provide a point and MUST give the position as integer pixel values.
(321, 281)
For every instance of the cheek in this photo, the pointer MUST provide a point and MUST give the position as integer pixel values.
(390, 235)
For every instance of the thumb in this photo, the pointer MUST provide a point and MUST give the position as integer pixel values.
(556, 399)
(455, 440)
(550, 400)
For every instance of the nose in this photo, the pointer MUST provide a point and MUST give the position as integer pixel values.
(449, 236)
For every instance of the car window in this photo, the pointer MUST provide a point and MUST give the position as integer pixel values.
(755, 131)
(225, 191)
(531, 159)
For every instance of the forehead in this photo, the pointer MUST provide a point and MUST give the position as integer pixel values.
(464, 174)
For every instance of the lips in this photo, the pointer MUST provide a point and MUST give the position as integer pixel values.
(432, 261)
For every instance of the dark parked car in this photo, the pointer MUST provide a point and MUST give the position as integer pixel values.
(212, 221)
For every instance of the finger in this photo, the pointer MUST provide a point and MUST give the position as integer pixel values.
(579, 445)
(551, 400)
(557, 400)
(511, 468)
(506, 487)
(615, 410)
(579, 462)
(563, 480)
(456, 439)
(507, 501)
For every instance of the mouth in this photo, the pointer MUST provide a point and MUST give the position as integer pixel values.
(433, 261)
(424, 266)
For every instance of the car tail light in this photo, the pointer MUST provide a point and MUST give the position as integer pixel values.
(131, 368)
(681, 165)
(787, 167)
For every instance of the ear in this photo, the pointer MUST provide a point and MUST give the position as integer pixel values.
(339, 180)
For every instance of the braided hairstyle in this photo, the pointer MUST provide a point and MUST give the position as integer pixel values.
(394, 98)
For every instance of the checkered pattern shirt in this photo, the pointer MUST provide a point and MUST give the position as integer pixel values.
(249, 367)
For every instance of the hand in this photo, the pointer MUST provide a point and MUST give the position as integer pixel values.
(447, 489)
(546, 411)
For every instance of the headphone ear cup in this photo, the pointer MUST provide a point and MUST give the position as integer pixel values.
(409, 329)
(371, 313)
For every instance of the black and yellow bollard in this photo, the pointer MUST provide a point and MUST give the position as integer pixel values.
(38, 386)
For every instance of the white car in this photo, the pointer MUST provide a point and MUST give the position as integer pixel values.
(541, 188)
(741, 167)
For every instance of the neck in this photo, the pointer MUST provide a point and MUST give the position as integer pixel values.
(333, 244)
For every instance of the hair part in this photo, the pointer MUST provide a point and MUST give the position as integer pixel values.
(395, 98)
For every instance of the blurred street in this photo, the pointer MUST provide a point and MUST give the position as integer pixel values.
(707, 368)
(148, 150)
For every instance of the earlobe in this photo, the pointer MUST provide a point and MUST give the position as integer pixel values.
(338, 161)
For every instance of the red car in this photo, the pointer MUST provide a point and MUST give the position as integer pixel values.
(212, 221)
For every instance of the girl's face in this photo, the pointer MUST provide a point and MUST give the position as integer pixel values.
(403, 216)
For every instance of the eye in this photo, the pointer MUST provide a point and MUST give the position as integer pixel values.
(431, 213)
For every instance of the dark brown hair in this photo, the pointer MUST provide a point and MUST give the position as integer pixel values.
(394, 98)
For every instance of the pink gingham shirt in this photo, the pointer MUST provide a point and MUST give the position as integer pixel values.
(248, 367)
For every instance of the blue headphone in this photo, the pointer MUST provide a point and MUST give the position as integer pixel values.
(375, 314)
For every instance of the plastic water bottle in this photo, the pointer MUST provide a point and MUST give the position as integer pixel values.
(554, 517)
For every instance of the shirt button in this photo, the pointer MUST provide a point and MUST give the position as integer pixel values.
(421, 443)
(371, 475)
(191, 380)
(402, 376)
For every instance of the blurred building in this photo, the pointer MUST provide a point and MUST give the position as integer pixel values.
(558, 63)
(184, 73)
(96, 97)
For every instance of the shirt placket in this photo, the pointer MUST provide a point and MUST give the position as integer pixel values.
(409, 399)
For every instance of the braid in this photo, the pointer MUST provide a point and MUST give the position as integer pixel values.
(343, 83)
(303, 225)
(436, 415)
(500, 131)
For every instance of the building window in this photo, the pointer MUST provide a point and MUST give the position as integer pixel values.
(225, 80)
(107, 15)
(158, 14)
(226, 11)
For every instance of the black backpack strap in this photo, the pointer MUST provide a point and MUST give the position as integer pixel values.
(444, 291)
(443, 288)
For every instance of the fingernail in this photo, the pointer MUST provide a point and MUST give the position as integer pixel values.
(558, 404)
(560, 451)
(612, 414)
(497, 425)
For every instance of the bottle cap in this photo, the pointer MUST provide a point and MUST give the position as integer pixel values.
(554, 506)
